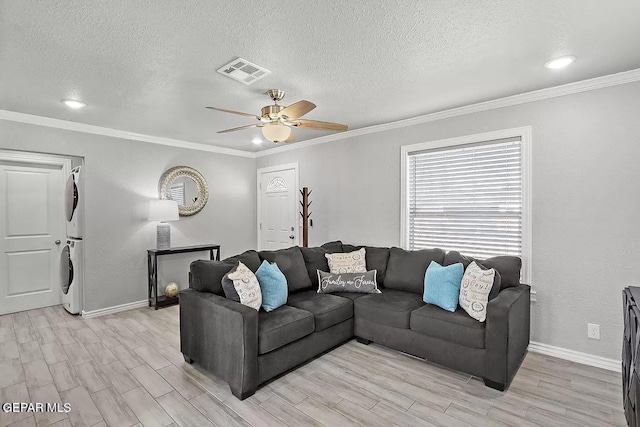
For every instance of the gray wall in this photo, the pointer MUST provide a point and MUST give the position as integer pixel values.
(121, 176)
(586, 202)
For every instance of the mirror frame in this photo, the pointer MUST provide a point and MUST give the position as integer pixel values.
(164, 188)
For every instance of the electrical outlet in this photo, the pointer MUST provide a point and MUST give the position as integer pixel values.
(593, 331)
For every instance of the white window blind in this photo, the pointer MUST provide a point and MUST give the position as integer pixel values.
(467, 198)
(177, 194)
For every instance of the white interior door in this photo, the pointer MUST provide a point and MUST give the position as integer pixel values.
(278, 208)
(31, 222)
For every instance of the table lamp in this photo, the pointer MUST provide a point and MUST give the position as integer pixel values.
(163, 211)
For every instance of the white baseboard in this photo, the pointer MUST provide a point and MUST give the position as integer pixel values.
(114, 309)
(576, 356)
(535, 347)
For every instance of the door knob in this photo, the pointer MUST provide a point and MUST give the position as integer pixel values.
(57, 242)
(292, 237)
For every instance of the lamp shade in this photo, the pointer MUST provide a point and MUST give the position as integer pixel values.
(163, 210)
(276, 132)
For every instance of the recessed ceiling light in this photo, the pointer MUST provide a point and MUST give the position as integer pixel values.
(257, 141)
(73, 103)
(561, 62)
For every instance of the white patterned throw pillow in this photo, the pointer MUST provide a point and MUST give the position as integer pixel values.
(474, 291)
(247, 286)
(349, 262)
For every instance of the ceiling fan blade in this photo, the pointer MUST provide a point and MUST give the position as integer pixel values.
(240, 113)
(239, 128)
(298, 109)
(317, 125)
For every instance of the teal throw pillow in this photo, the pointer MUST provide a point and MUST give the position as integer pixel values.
(273, 285)
(442, 285)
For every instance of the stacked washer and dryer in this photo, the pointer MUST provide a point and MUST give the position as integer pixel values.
(71, 256)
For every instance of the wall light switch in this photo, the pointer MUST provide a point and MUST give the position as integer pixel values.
(593, 331)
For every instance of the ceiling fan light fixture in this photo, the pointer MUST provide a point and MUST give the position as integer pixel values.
(276, 132)
(277, 120)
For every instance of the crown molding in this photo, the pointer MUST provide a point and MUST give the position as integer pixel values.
(509, 101)
(115, 133)
(538, 95)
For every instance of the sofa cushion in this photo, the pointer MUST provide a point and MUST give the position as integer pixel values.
(206, 276)
(454, 257)
(351, 295)
(377, 259)
(508, 266)
(249, 258)
(291, 263)
(315, 260)
(228, 287)
(457, 327)
(327, 310)
(391, 308)
(282, 326)
(334, 246)
(406, 269)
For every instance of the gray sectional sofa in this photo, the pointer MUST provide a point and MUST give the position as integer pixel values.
(248, 348)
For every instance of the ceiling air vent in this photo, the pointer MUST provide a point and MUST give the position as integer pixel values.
(243, 71)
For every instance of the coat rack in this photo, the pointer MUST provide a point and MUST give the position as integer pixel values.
(305, 215)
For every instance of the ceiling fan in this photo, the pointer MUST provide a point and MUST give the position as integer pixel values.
(277, 120)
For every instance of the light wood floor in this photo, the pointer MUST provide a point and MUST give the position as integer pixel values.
(126, 368)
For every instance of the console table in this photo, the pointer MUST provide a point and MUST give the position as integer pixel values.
(630, 355)
(152, 269)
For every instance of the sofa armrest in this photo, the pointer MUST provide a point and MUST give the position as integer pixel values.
(222, 336)
(507, 334)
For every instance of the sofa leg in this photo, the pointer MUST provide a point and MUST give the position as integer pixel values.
(363, 341)
(494, 385)
(187, 359)
(242, 395)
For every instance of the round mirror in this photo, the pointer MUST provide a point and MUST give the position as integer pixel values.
(187, 187)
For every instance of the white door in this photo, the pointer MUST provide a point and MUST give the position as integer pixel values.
(278, 208)
(31, 229)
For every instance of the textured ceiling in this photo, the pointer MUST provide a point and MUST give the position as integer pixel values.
(150, 66)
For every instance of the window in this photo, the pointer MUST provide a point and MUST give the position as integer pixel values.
(469, 194)
(177, 193)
